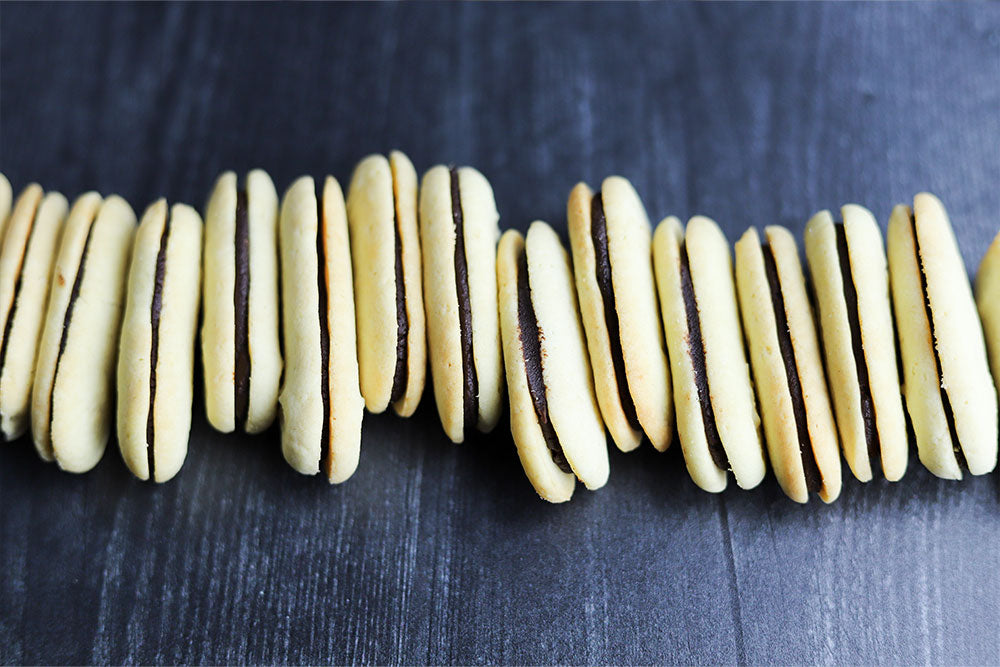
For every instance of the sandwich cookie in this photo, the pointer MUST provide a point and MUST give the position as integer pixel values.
(851, 282)
(6, 197)
(554, 417)
(320, 405)
(988, 298)
(240, 349)
(385, 247)
(26, 258)
(716, 413)
(74, 379)
(778, 321)
(458, 233)
(949, 393)
(611, 239)
(156, 356)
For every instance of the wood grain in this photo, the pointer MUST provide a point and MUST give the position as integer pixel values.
(435, 553)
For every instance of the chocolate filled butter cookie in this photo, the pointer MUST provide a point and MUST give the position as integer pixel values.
(74, 379)
(949, 393)
(6, 195)
(988, 299)
(320, 404)
(26, 257)
(385, 247)
(851, 280)
(554, 417)
(458, 234)
(240, 349)
(156, 356)
(717, 418)
(784, 352)
(612, 261)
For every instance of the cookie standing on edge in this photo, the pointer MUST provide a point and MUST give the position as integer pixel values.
(988, 299)
(851, 279)
(611, 240)
(74, 380)
(26, 258)
(799, 428)
(320, 405)
(156, 356)
(240, 347)
(949, 393)
(459, 229)
(6, 195)
(385, 249)
(717, 418)
(554, 417)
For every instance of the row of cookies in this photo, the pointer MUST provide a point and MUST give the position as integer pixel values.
(583, 343)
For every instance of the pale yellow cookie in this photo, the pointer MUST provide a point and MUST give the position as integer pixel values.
(799, 429)
(388, 289)
(988, 299)
(458, 235)
(717, 418)
(6, 197)
(320, 404)
(26, 258)
(240, 350)
(612, 260)
(555, 420)
(851, 280)
(156, 355)
(71, 409)
(946, 380)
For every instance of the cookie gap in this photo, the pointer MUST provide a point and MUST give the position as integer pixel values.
(531, 351)
(470, 384)
(156, 309)
(697, 354)
(850, 293)
(241, 312)
(810, 469)
(322, 284)
(400, 376)
(67, 319)
(949, 415)
(602, 260)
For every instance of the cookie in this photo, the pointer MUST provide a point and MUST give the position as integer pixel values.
(554, 417)
(26, 258)
(74, 379)
(611, 242)
(988, 299)
(459, 230)
(949, 393)
(240, 349)
(851, 281)
(320, 405)
(717, 418)
(156, 355)
(388, 291)
(778, 322)
(6, 195)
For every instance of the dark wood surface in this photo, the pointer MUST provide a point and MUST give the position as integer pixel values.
(439, 553)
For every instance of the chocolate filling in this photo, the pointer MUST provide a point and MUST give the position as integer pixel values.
(241, 312)
(945, 400)
(401, 374)
(67, 318)
(154, 351)
(814, 481)
(326, 456)
(531, 349)
(470, 393)
(696, 349)
(599, 236)
(861, 364)
(12, 311)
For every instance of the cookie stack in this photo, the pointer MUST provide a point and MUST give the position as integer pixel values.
(316, 307)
